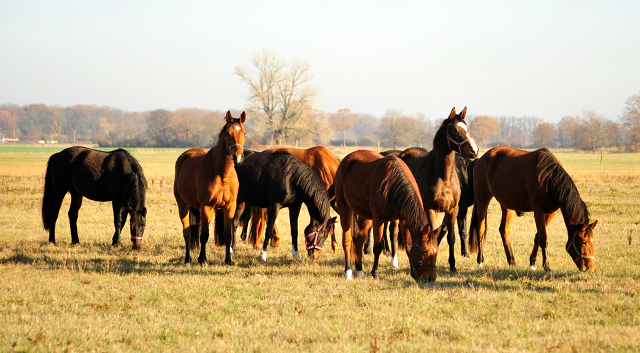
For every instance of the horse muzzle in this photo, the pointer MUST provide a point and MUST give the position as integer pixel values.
(237, 159)
(137, 243)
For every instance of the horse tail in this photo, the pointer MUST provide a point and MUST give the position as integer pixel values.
(49, 211)
(194, 224)
(218, 229)
(474, 237)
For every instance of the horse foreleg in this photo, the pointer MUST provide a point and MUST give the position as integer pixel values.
(462, 229)
(76, 202)
(537, 242)
(378, 246)
(347, 223)
(394, 230)
(206, 215)
(187, 230)
(481, 214)
(294, 212)
(505, 233)
(368, 244)
(229, 213)
(450, 221)
(359, 239)
(272, 214)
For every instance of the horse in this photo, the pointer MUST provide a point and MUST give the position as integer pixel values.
(435, 173)
(100, 176)
(530, 182)
(380, 189)
(274, 180)
(206, 181)
(323, 163)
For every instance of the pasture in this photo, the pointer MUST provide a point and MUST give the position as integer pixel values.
(92, 297)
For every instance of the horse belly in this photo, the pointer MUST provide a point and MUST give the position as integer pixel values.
(93, 190)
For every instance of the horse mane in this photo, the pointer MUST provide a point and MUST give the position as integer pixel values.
(440, 139)
(309, 183)
(557, 181)
(135, 184)
(402, 196)
(226, 125)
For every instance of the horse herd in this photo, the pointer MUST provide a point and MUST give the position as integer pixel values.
(406, 189)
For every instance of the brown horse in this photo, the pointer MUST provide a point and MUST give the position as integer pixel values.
(381, 189)
(436, 174)
(324, 164)
(530, 182)
(206, 181)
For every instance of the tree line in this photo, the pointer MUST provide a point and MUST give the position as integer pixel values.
(281, 111)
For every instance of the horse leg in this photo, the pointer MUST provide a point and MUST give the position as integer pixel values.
(117, 222)
(229, 241)
(481, 210)
(377, 247)
(245, 218)
(505, 233)
(257, 225)
(347, 224)
(538, 241)
(462, 229)
(359, 240)
(206, 212)
(272, 214)
(194, 225)
(394, 229)
(294, 212)
(450, 221)
(76, 202)
(386, 229)
(368, 244)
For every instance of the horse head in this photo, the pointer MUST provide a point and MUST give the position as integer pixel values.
(233, 133)
(581, 246)
(458, 137)
(315, 235)
(137, 221)
(423, 254)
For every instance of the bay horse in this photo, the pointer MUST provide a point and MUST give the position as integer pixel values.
(531, 182)
(435, 173)
(274, 180)
(380, 189)
(100, 176)
(206, 181)
(324, 164)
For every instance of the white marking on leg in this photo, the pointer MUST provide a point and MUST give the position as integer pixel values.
(348, 274)
(394, 261)
(231, 249)
(481, 264)
(187, 264)
(263, 256)
(360, 274)
(533, 268)
(296, 255)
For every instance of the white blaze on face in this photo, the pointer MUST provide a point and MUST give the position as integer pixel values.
(237, 127)
(472, 142)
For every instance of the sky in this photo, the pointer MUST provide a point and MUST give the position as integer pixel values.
(546, 59)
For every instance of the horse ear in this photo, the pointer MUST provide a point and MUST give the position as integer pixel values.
(593, 225)
(453, 113)
(463, 113)
(242, 117)
(228, 117)
(332, 220)
(144, 211)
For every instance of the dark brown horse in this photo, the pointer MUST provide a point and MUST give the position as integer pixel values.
(100, 176)
(206, 181)
(324, 164)
(381, 189)
(530, 182)
(436, 174)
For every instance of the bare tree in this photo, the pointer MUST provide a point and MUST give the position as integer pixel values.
(593, 132)
(484, 127)
(568, 133)
(544, 135)
(631, 119)
(160, 123)
(395, 127)
(422, 132)
(343, 121)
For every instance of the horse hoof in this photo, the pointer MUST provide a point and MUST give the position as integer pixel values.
(360, 274)
(394, 261)
(187, 264)
(230, 263)
(116, 245)
(296, 255)
(480, 265)
(263, 256)
(465, 254)
(533, 268)
(348, 274)
(453, 271)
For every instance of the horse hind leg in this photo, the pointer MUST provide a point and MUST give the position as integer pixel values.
(377, 247)
(359, 239)
(505, 233)
(76, 203)
(394, 230)
(462, 229)
(194, 226)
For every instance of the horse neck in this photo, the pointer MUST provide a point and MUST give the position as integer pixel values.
(218, 157)
(444, 157)
(574, 215)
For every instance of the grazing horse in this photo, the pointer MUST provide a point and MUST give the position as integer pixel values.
(324, 164)
(530, 182)
(206, 181)
(436, 174)
(381, 189)
(100, 176)
(274, 180)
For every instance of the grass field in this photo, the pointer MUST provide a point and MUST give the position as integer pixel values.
(92, 297)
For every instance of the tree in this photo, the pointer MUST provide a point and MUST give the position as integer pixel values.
(631, 119)
(568, 132)
(592, 130)
(483, 128)
(544, 135)
(277, 89)
(422, 132)
(342, 121)
(395, 127)
(160, 124)
(7, 124)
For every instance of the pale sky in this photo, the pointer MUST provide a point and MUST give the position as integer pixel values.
(545, 59)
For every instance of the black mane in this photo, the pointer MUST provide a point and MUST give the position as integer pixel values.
(558, 182)
(399, 193)
(135, 185)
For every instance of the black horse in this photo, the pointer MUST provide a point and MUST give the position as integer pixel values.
(275, 180)
(100, 176)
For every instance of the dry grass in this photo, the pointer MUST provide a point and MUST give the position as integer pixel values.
(92, 297)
